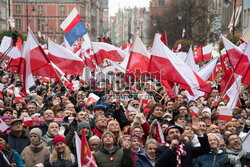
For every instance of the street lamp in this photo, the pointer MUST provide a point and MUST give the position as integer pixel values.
(33, 10)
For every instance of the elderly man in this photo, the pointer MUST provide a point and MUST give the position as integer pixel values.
(17, 138)
(111, 155)
(236, 156)
(49, 117)
(176, 153)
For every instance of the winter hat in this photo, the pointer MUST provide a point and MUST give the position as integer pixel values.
(4, 136)
(5, 117)
(135, 137)
(108, 132)
(206, 109)
(58, 138)
(37, 132)
(83, 124)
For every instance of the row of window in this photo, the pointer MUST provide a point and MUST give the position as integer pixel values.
(40, 24)
(40, 10)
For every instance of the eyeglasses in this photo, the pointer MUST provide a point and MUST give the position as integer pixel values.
(135, 104)
(235, 138)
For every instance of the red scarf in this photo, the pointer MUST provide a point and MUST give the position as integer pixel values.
(97, 132)
(1, 147)
(179, 151)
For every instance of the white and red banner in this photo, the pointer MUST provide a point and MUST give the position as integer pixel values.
(3, 126)
(225, 115)
(93, 98)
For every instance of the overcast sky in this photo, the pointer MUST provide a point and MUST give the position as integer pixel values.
(115, 4)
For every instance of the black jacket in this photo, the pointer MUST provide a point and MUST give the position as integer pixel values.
(245, 161)
(167, 157)
(20, 143)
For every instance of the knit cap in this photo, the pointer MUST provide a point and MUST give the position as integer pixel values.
(36, 131)
(83, 124)
(108, 132)
(58, 138)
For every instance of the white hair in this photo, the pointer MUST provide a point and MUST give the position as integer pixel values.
(94, 138)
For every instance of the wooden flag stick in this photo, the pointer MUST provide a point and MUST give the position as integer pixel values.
(224, 91)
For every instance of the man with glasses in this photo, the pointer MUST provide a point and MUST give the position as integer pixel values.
(236, 156)
(17, 138)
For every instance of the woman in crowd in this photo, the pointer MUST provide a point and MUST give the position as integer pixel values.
(147, 158)
(36, 152)
(48, 138)
(61, 155)
(212, 158)
(114, 127)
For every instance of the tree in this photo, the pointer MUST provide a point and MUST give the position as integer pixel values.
(8, 33)
(193, 15)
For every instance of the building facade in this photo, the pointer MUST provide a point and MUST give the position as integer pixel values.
(45, 16)
(245, 15)
(5, 12)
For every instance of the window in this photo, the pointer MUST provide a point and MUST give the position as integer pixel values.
(18, 24)
(17, 9)
(40, 25)
(40, 9)
(244, 18)
(62, 10)
(248, 17)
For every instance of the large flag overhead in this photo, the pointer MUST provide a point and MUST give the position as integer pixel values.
(242, 68)
(34, 62)
(164, 61)
(234, 53)
(73, 26)
(206, 71)
(106, 51)
(139, 58)
(63, 58)
(207, 53)
(190, 60)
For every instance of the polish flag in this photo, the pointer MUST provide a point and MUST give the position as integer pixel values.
(34, 62)
(18, 96)
(129, 109)
(3, 126)
(198, 54)
(10, 89)
(127, 47)
(225, 115)
(106, 51)
(206, 71)
(172, 69)
(224, 60)
(1, 90)
(44, 79)
(93, 98)
(233, 93)
(243, 66)
(75, 85)
(151, 85)
(194, 111)
(227, 79)
(234, 52)
(139, 58)
(100, 87)
(207, 53)
(143, 101)
(63, 58)
(190, 60)
(88, 60)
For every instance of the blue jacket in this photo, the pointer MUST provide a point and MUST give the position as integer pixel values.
(18, 144)
(143, 160)
(209, 160)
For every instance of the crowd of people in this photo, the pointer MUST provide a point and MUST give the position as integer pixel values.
(121, 130)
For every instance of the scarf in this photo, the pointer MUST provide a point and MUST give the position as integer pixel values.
(36, 148)
(179, 151)
(235, 156)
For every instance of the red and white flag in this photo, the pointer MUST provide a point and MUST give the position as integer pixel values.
(233, 93)
(225, 115)
(190, 60)
(44, 79)
(138, 59)
(234, 53)
(206, 71)
(83, 152)
(183, 33)
(207, 53)
(18, 96)
(1, 90)
(129, 109)
(106, 51)
(194, 111)
(159, 134)
(63, 58)
(164, 61)
(10, 89)
(93, 98)
(243, 66)
(34, 62)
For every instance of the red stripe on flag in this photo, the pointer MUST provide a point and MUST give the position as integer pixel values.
(76, 20)
(225, 118)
